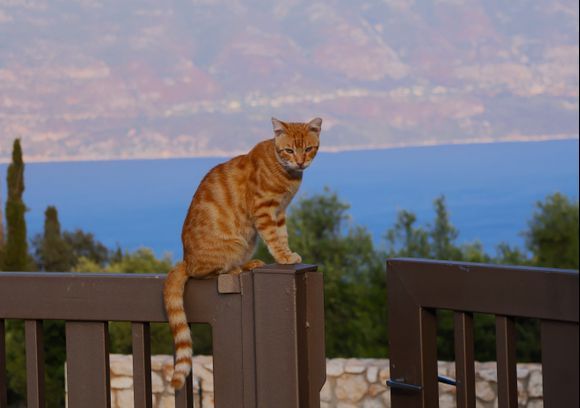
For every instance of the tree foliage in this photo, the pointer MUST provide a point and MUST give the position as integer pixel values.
(15, 254)
(552, 234)
(2, 238)
(406, 240)
(84, 245)
(52, 252)
(437, 241)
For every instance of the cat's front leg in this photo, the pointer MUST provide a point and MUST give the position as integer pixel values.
(272, 230)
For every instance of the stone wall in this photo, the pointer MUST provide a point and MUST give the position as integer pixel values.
(350, 383)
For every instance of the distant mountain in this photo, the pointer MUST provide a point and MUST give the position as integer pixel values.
(102, 79)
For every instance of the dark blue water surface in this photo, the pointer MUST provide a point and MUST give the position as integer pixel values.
(490, 189)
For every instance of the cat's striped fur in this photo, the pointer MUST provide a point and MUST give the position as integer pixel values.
(236, 201)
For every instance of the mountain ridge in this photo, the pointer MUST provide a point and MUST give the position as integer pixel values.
(102, 79)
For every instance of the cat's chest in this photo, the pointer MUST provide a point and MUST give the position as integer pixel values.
(287, 196)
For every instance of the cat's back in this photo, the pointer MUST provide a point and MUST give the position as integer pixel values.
(221, 203)
(224, 178)
(238, 171)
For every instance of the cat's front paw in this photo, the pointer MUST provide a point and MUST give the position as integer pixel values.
(292, 258)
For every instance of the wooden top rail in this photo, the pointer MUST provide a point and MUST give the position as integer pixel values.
(99, 297)
(267, 331)
(510, 290)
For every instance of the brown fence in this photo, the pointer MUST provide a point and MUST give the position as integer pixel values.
(417, 288)
(267, 329)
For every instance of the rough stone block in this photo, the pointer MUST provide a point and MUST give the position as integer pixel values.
(351, 388)
(376, 389)
(167, 401)
(335, 367)
(372, 374)
(326, 391)
(121, 364)
(447, 401)
(384, 375)
(535, 403)
(535, 384)
(346, 405)
(353, 366)
(372, 403)
(157, 384)
(167, 370)
(484, 391)
(488, 374)
(386, 397)
(157, 362)
(522, 372)
(125, 399)
(522, 394)
(121, 383)
(206, 378)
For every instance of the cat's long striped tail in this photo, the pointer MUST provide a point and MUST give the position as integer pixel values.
(173, 298)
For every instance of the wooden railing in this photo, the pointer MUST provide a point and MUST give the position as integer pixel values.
(267, 329)
(417, 288)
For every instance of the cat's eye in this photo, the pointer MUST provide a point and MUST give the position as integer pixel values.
(289, 151)
(309, 148)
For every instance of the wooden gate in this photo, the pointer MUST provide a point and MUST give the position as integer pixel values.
(417, 288)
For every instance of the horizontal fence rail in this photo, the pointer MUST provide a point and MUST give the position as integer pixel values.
(417, 288)
(267, 330)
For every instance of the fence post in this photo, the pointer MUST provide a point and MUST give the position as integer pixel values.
(289, 336)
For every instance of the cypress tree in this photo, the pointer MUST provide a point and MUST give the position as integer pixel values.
(1, 231)
(53, 253)
(16, 249)
(443, 234)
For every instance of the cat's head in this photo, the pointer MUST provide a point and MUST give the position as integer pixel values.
(296, 143)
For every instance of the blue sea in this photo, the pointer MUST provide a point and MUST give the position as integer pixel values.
(491, 190)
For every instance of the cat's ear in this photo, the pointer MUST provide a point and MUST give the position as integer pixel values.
(279, 126)
(315, 125)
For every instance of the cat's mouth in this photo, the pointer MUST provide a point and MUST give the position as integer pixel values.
(295, 167)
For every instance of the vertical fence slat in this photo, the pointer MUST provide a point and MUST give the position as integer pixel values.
(506, 362)
(464, 360)
(428, 342)
(87, 364)
(248, 349)
(141, 365)
(560, 363)
(34, 363)
(312, 364)
(228, 344)
(413, 345)
(3, 378)
(184, 397)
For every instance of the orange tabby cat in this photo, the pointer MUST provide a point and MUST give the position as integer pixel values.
(236, 201)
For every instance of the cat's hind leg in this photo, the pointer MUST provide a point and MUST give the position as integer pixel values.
(253, 264)
(236, 270)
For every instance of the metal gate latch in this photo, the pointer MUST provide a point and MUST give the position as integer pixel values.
(402, 385)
